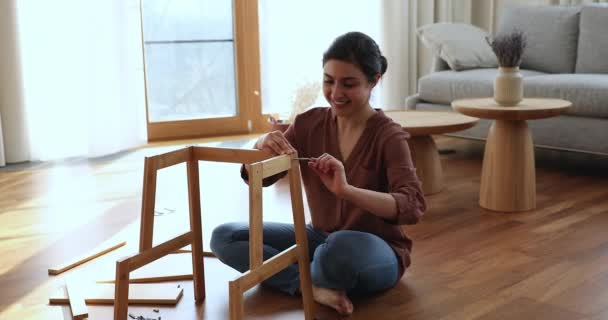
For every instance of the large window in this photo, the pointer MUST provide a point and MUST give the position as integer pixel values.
(196, 67)
(189, 48)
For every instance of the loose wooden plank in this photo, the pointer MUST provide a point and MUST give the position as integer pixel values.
(152, 294)
(83, 259)
(76, 297)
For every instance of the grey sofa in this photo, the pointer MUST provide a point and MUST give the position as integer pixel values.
(566, 57)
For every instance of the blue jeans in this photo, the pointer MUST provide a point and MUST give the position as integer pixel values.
(357, 262)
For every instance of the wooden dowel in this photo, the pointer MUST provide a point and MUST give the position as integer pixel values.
(83, 259)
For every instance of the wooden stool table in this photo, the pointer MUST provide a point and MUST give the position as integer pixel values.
(260, 165)
(508, 177)
(421, 125)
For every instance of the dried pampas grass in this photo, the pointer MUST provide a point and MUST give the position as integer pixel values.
(304, 96)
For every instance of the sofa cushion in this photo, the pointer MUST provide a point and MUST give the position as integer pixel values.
(461, 45)
(593, 41)
(587, 92)
(551, 33)
(445, 86)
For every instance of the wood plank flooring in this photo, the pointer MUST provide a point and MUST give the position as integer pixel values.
(468, 263)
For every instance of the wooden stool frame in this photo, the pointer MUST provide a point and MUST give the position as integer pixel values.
(259, 165)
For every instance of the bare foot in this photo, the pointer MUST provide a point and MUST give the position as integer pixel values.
(333, 299)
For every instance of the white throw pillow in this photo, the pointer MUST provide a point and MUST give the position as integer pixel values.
(461, 45)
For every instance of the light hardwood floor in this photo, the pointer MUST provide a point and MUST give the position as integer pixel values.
(468, 263)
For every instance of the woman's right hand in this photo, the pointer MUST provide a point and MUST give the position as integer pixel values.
(275, 142)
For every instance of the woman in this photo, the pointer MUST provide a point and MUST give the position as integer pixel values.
(360, 186)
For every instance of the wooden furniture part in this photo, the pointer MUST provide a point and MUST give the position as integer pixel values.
(149, 294)
(76, 297)
(508, 177)
(172, 267)
(81, 260)
(421, 125)
(260, 165)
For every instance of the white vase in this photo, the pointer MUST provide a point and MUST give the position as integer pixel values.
(508, 87)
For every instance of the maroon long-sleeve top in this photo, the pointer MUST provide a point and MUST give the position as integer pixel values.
(379, 161)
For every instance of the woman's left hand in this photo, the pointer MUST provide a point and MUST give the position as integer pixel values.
(331, 172)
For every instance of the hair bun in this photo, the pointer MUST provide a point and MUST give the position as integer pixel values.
(359, 49)
(383, 64)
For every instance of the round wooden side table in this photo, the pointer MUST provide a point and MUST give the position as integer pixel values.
(421, 125)
(508, 176)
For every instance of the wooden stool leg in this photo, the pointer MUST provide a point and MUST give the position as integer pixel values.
(256, 223)
(147, 206)
(194, 203)
(295, 189)
(121, 290)
(508, 178)
(427, 163)
(236, 300)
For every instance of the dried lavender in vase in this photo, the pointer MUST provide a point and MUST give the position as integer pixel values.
(508, 48)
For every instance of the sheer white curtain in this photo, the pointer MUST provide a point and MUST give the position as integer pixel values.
(293, 36)
(2, 158)
(11, 102)
(402, 18)
(82, 71)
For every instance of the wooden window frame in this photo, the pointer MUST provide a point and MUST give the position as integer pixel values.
(249, 118)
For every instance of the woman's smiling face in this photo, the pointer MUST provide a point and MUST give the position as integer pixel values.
(345, 87)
